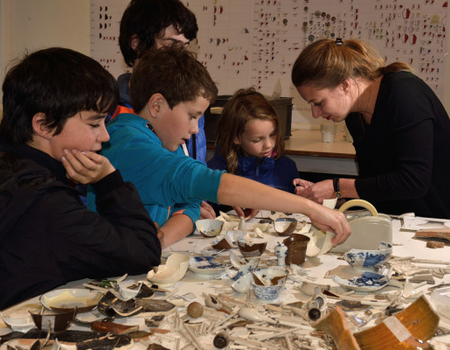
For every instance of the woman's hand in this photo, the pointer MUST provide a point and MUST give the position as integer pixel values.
(86, 167)
(317, 192)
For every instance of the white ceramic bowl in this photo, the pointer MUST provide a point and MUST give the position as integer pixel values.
(209, 227)
(368, 259)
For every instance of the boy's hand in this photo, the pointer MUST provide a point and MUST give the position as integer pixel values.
(331, 220)
(86, 167)
(207, 211)
(246, 213)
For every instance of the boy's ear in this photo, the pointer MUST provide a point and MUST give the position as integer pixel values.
(155, 104)
(134, 42)
(40, 126)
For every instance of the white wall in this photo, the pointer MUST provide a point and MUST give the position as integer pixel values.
(34, 24)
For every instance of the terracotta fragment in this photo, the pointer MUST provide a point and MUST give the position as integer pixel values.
(435, 244)
(442, 233)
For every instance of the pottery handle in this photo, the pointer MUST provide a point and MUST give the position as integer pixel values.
(359, 203)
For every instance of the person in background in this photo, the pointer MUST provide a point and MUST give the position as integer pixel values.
(249, 143)
(147, 24)
(55, 102)
(170, 90)
(400, 129)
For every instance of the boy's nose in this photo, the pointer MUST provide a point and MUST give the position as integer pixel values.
(194, 128)
(104, 135)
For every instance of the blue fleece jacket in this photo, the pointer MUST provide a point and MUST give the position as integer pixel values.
(196, 145)
(275, 173)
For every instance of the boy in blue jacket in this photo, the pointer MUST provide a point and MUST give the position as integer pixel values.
(170, 90)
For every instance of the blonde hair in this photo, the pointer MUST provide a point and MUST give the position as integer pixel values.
(245, 105)
(327, 63)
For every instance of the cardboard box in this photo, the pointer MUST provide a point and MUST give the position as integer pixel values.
(282, 106)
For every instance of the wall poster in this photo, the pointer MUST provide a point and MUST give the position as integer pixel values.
(246, 43)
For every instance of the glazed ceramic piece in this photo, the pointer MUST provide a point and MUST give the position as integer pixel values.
(87, 318)
(126, 292)
(53, 322)
(206, 265)
(251, 314)
(268, 282)
(249, 267)
(319, 244)
(363, 259)
(366, 283)
(251, 247)
(209, 227)
(410, 291)
(336, 325)
(243, 284)
(330, 203)
(60, 300)
(174, 270)
(310, 289)
(440, 299)
(281, 253)
(408, 329)
(285, 226)
(226, 241)
(19, 324)
(367, 231)
(236, 259)
(264, 227)
(297, 245)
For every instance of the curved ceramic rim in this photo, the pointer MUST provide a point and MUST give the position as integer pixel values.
(84, 306)
(367, 289)
(359, 203)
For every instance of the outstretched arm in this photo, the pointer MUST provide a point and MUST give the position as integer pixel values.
(239, 191)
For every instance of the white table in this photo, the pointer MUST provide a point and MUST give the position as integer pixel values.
(315, 270)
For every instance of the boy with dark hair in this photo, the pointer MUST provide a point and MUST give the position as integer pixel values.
(148, 24)
(170, 90)
(55, 102)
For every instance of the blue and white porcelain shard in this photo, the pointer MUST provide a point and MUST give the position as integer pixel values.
(244, 269)
(243, 283)
(273, 278)
(206, 265)
(367, 282)
(285, 226)
(369, 259)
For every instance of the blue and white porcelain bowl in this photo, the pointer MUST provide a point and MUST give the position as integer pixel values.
(363, 259)
(268, 282)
